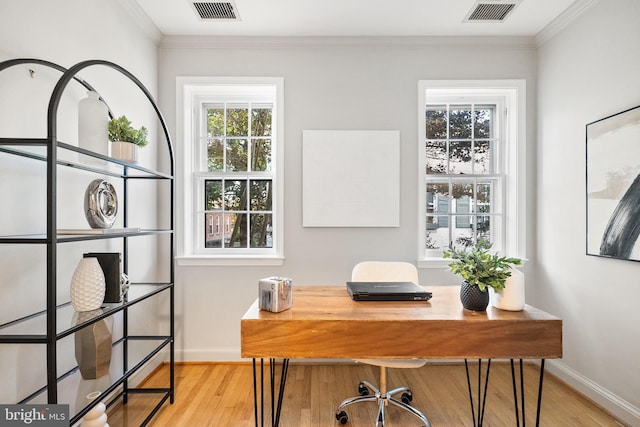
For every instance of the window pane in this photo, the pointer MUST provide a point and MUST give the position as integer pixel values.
(214, 230)
(460, 121)
(462, 196)
(236, 231)
(215, 155)
(261, 155)
(215, 121)
(261, 122)
(212, 195)
(238, 120)
(261, 231)
(483, 126)
(436, 121)
(483, 229)
(462, 233)
(460, 157)
(437, 232)
(483, 193)
(436, 157)
(235, 195)
(482, 157)
(261, 195)
(236, 155)
(437, 197)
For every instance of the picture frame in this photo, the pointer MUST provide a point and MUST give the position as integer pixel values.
(613, 186)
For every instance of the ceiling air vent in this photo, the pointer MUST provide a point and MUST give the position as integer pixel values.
(215, 10)
(491, 11)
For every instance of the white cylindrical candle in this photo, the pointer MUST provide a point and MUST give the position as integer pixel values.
(93, 126)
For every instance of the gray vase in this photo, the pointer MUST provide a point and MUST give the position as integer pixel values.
(93, 345)
(473, 298)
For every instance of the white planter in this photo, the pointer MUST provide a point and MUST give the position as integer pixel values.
(511, 298)
(125, 151)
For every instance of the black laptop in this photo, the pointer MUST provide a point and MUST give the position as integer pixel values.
(387, 291)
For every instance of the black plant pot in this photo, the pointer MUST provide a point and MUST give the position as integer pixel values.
(473, 298)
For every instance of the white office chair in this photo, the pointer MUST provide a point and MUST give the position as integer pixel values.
(372, 271)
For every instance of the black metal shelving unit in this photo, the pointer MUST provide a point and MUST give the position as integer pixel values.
(53, 320)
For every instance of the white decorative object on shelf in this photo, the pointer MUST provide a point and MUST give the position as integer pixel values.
(512, 297)
(93, 122)
(87, 285)
(97, 416)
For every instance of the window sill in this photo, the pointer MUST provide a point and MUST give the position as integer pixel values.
(228, 261)
(444, 263)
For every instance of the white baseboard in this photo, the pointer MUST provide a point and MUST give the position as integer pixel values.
(618, 407)
(217, 355)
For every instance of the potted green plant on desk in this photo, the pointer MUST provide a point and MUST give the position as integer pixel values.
(125, 139)
(480, 270)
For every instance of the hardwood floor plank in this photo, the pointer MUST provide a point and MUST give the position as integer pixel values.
(221, 395)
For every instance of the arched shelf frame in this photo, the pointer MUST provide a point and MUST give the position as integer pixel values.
(51, 239)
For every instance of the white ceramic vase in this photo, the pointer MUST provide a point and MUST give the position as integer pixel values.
(87, 285)
(512, 297)
(97, 416)
(93, 127)
(125, 151)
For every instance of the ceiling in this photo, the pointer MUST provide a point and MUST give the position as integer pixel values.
(353, 17)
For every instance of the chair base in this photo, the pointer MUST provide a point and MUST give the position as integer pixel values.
(370, 393)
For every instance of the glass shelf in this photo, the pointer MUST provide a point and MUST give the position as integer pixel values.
(36, 148)
(69, 321)
(90, 235)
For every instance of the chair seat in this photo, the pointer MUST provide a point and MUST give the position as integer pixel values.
(394, 363)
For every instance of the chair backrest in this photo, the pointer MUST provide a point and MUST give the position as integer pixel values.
(384, 271)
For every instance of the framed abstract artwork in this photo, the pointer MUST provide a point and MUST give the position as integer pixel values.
(613, 186)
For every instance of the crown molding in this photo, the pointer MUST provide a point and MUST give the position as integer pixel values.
(133, 9)
(334, 42)
(563, 20)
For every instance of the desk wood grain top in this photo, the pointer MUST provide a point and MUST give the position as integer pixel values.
(324, 322)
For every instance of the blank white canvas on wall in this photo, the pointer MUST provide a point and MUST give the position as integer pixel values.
(351, 178)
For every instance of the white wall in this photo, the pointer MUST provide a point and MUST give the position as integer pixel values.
(333, 84)
(64, 33)
(588, 71)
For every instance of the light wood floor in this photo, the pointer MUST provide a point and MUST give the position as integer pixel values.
(221, 395)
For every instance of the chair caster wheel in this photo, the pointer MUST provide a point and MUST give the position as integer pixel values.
(407, 397)
(342, 417)
(363, 390)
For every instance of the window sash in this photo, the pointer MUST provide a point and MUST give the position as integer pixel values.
(463, 227)
(204, 242)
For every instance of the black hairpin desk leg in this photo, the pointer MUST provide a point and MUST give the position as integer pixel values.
(515, 394)
(481, 394)
(276, 402)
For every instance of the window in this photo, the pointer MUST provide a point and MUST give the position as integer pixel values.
(472, 166)
(231, 160)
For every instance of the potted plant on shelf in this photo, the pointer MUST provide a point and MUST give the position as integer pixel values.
(125, 139)
(481, 271)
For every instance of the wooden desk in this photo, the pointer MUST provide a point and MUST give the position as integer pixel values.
(324, 322)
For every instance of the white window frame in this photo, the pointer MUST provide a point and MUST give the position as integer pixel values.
(511, 95)
(192, 94)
